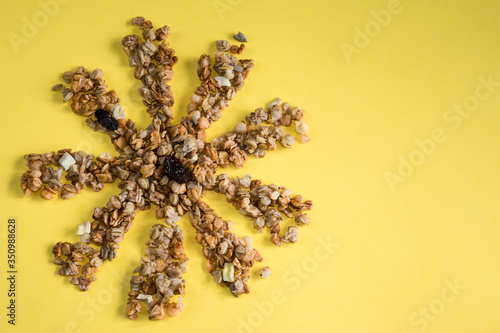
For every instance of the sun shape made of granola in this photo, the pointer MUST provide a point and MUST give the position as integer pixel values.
(171, 166)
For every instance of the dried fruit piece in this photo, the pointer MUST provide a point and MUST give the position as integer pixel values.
(175, 170)
(106, 120)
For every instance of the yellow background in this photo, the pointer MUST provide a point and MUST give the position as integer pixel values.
(397, 249)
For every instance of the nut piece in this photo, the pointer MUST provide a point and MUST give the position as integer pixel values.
(148, 298)
(265, 272)
(223, 81)
(67, 161)
(84, 228)
(228, 272)
(118, 112)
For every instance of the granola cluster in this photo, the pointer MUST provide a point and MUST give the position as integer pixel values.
(159, 275)
(214, 94)
(170, 166)
(229, 257)
(263, 204)
(86, 172)
(153, 65)
(106, 233)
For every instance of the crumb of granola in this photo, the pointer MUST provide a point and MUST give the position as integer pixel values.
(265, 272)
(57, 87)
(240, 37)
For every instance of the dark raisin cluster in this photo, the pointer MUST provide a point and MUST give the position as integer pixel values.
(174, 170)
(106, 120)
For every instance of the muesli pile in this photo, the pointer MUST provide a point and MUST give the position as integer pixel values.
(170, 166)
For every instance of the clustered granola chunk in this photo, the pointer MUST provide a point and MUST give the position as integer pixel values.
(213, 95)
(229, 257)
(88, 93)
(264, 203)
(146, 167)
(153, 65)
(159, 275)
(106, 232)
(85, 172)
(260, 131)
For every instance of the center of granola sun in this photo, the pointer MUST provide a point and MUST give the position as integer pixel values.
(171, 166)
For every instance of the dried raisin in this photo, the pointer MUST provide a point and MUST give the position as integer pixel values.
(106, 120)
(175, 170)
